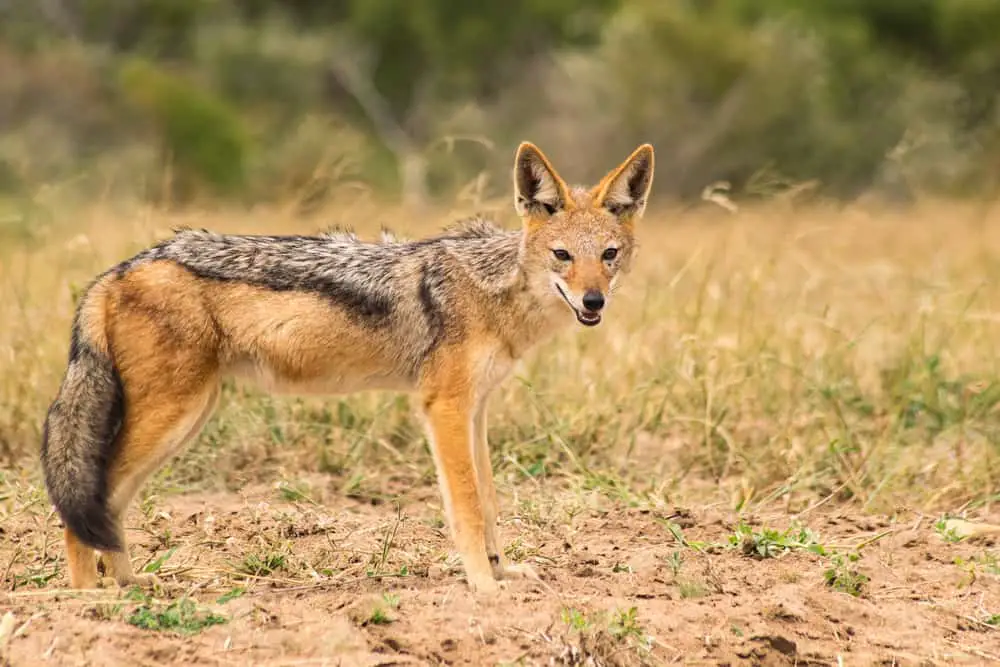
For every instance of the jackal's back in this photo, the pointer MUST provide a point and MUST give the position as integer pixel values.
(300, 310)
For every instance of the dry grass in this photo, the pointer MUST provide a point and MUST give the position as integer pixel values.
(825, 362)
(764, 356)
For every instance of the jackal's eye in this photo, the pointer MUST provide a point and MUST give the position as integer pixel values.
(561, 255)
(609, 254)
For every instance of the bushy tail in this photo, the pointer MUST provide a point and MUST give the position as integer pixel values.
(80, 429)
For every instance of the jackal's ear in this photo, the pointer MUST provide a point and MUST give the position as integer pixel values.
(539, 192)
(625, 190)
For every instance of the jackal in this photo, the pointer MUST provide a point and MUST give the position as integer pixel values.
(445, 317)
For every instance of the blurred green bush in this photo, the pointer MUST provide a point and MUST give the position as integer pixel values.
(200, 136)
(893, 95)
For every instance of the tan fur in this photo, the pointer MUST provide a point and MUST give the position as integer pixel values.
(172, 335)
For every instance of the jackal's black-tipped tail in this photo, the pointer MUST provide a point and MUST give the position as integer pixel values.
(80, 429)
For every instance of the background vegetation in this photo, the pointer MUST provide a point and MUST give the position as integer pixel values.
(263, 100)
(859, 367)
(830, 368)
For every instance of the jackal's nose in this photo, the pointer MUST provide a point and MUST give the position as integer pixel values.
(593, 300)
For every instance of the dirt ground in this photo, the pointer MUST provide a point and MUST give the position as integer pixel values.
(286, 580)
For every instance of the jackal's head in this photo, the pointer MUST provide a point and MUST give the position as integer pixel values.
(578, 240)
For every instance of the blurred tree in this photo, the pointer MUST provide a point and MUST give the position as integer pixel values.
(158, 28)
(201, 137)
(401, 61)
(823, 89)
(951, 38)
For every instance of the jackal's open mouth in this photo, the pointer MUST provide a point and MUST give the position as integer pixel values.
(584, 317)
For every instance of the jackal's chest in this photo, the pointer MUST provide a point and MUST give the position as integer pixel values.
(491, 366)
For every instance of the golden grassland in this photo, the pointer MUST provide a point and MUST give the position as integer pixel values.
(777, 355)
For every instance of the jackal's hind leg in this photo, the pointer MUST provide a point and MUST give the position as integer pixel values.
(80, 562)
(147, 441)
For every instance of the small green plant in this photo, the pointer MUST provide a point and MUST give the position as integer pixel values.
(231, 594)
(575, 619)
(975, 566)
(154, 566)
(675, 561)
(182, 616)
(770, 543)
(380, 614)
(148, 506)
(947, 533)
(678, 535)
(843, 577)
(35, 576)
(603, 634)
(379, 617)
(261, 565)
(990, 563)
(625, 625)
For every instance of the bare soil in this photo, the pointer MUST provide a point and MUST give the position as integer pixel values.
(357, 582)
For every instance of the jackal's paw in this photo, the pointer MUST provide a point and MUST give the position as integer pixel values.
(89, 583)
(484, 586)
(519, 571)
(141, 580)
(130, 580)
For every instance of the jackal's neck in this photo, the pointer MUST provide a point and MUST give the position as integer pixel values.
(530, 318)
(513, 307)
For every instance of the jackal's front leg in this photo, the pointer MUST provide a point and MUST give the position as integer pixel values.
(450, 417)
(488, 497)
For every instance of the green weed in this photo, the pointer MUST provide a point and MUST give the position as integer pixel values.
(183, 616)
(844, 577)
(770, 543)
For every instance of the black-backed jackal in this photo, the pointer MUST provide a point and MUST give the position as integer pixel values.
(445, 317)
